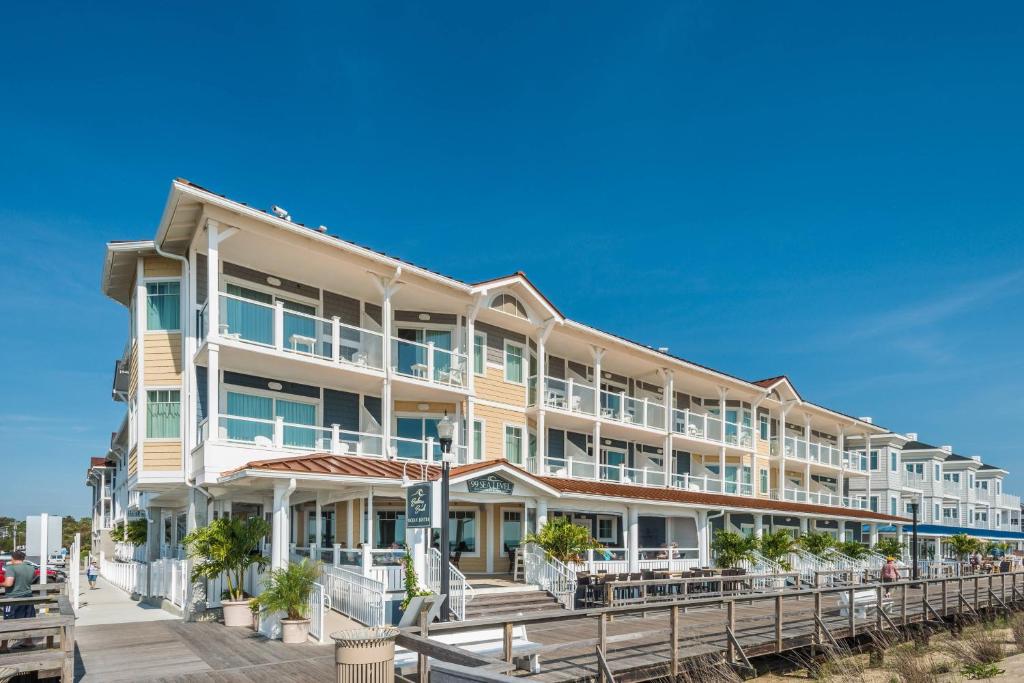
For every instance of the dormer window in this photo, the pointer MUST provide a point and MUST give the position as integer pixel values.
(508, 304)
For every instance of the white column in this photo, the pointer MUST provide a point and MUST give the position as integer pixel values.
(490, 512)
(899, 533)
(387, 287)
(212, 274)
(727, 521)
(867, 452)
(319, 512)
(598, 354)
(781, 441)
(634, 538)
(349, 512)
(416, 539)
(722, 393)
(281, 524)
(669, 402)
(370, 520)
(803, 526)
(542, 512)
(758, 526)
(873, 534)
(703, 540)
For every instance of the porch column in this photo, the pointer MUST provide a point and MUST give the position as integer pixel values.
(873, 534)
(542, 513)
(721, 466)
(758, 526)
(899, 533)
(727, 521)
(281, 524)
(803, 526)
(669, 402)
(349, 521)
(867, 452)
(781, 444)
(634, 538)
(154, 533)
(387, 286)
(370, 520)
(319, 512)
(489, 514)
(416, 539)
(703, 542)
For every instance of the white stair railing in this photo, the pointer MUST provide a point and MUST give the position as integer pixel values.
(319, 603)
(808, 564)
(460, 592)
(759, 564)
(549, 574)
(354, 595)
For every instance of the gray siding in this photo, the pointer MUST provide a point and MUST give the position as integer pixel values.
(288, 286)
(556, 367)
(345, 307)
(375, 313)
(202, 273)
(581, 369)
(254, 382)
(414, 317)
(496, 337)
(341, 408)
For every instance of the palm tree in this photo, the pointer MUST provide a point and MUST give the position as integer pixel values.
(852, 549)
(563, 540)
(731, 548)
(889, 547)
(776, 546)
(817, 544)
(228, 547)
(963, 545)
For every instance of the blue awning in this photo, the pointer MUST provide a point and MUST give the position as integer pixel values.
(943, 530)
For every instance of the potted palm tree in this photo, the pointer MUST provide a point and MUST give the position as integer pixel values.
(817, 544)
(776, 546)
(287, 590)
(228, 547)
(563, 540)
(732, 549)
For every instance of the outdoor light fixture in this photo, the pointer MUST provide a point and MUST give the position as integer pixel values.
(273, 281)
(445, 431)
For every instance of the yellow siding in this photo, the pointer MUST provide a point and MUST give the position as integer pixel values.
(414, 407)
(763, 447)
(493, 387)
(133, 461)
(157, 266)
(494, 428)
(163, 358)
(161, 456)
(341, 523)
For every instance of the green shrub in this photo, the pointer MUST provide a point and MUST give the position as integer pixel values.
(563, 540)
(228, 547)
(732, 549)
(288, 589)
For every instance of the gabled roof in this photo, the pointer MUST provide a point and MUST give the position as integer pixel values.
(919, 446)
(323, 464)
(519, 277)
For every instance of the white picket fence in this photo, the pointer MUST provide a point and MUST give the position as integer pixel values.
(128, 576)
(319, 603)
(252, 584)
(75, 572)
(169, 579)
(359, 597)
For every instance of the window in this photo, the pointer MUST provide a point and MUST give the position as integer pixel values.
(514, 444)
(390, 531)
(762, 427)
(462, 531)
(478, 439)
(893, 462)
(935, 513)
(506, 303)
(163, 306)
(938, 472)
(874, 461)
(163, 414)
(952, 476)
(874, 503)
(479, 352)
(511, 529)
(513, 363)
(606, 529)
(764, 482)
(970, 480)
(252, 420)
(893, 507)
(326, 526)
(413, 433)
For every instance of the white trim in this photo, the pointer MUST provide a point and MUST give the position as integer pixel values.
(501, 509)
(477, 457)
(478, 333)
(523, 444)
(615, 529)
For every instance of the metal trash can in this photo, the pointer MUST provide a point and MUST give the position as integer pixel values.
(365, 655)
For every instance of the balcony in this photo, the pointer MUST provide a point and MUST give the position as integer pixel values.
(952, 488)
(568, 395)
(618, 407)
(429, 363)
(277, 328)
(582, 399)
(1008, 501)
(278, 435)
(575, 468)
(828, 498)
(913, 480)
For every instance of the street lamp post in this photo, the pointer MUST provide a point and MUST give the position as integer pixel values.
(445, 430)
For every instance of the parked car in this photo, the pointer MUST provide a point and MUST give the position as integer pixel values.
(52, 575)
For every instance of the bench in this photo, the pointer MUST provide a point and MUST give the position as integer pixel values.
(487, 641)
(52, 632)
(863, 602)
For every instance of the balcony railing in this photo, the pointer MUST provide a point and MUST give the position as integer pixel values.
(820, 498)
(914, 480)
(619, 407)
(823, 453)
(712, 428)
(429, 362)
(279, 328)
(568, 395)
(953, 488)
(576, 468)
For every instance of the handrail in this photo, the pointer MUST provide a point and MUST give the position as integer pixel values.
(354, 595)
(460, 591)
(549, 574)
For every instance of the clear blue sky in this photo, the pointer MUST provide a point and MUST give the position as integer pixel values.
(831, 192)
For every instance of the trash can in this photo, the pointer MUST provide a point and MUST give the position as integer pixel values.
(7, 673)
(365, 655)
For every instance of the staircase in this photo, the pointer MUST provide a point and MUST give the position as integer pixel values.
(509, 602)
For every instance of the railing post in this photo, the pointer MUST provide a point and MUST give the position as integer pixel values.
(430, 361)
(279, 326)
(278, 432)
(507, 642)
(778, 623)
(851, 614)
(590, 561)
(366, 559)
(674, 639)
(622, 471)
(428, 456)
(335, 438)
(568, 466)
(335, 339)
(336, 560)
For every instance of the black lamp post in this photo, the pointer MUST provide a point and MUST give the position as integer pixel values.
(445, 430)
(913, 538)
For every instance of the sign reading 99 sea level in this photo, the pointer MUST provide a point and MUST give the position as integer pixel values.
(490, 483)
(417, 506)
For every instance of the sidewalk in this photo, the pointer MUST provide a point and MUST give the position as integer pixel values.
(108, 604)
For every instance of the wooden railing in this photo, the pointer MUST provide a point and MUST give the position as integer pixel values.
(54, 623)
(742, 625)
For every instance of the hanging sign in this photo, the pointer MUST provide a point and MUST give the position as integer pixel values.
(417, 506)
(490, 483)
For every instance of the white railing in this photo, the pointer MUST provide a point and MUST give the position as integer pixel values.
(429, 362)
(569, 395)
(458, 587)
(619, 407)
(603, 559)
(914, 480)
(169, 579)
(75, 572)
(387, 567)
(808, 565)
(318, 604)
(128, 576)
(761, 565)
(354, 595)
(300, 333)
(252, 584)
(278, 434)
(549, 574)
(128, 552)
(427, 450)
(670, 559)
(820, 452)
(172, 551)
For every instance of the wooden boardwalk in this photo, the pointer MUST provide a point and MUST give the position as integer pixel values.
(637, 640)
(178, 652)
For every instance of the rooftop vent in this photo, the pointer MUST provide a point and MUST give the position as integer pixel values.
(663, 349)
(947, 448)
(912, 436)
(976, 458)
(280, 212)
(870, 420)
(322, 228)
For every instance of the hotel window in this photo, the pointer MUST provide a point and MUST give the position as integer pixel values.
(163, 414)
(390, 531)
(938, 472)
(478, 439)
(874, 461)
(253, 419)
(606, 531)
(764, 481)
(893, 462)
(935, 513)
(893, 507)
(163, 306)
(514, 444)
(874, 503)
(513, 363)
(461, 531)
(762, 427)
(479, 352)
(511, 529)
(506, 303)
(970, 480)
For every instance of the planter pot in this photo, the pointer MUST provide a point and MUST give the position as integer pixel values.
(236, 612)
(294, 631)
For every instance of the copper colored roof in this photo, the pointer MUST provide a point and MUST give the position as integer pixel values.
(355, 466)
(97, 462)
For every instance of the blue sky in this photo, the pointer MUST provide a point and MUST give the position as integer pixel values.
(831, 192)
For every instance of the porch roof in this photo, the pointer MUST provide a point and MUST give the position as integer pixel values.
(327, 464)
